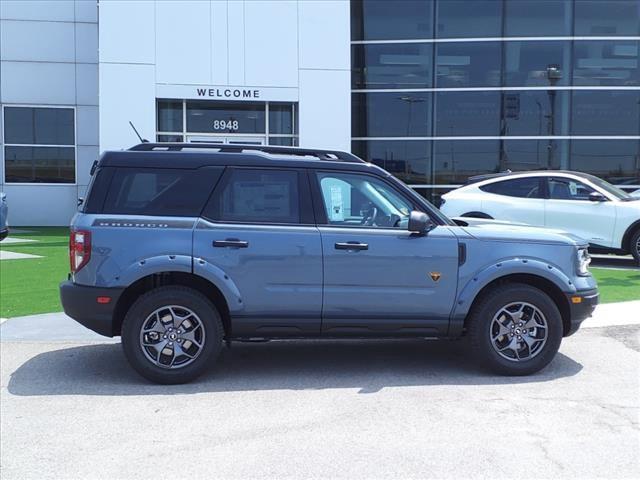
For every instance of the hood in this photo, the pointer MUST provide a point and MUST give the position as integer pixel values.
(496, 231)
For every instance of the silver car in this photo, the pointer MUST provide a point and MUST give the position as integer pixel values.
(4, 211)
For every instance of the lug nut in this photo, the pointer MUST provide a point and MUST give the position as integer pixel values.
(170, 344)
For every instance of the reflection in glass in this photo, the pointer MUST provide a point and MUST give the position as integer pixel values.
(468, 64)
(391, 114)
(467, 113)
(170, 138)
(169, 116)
(528, 63)
(218, 117)
(610, 17)
(40, 126)
(607, 62)
(39, 164)
(456, 160)
(472, 19)
(535, 112)
(532, 18)
(283, 141)
(391, 65)
(518, 155)
(409, 160)
(280, 118)
(617, 161)
(396, 20)
(601, 112)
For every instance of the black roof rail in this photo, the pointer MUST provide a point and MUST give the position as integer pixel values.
(487, 176)
(332, 155)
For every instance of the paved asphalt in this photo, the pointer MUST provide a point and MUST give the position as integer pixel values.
(72, 408)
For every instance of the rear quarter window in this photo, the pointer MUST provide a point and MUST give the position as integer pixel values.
(160, 192)
(517, 187)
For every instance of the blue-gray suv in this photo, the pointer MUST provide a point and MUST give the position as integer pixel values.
(180, 248)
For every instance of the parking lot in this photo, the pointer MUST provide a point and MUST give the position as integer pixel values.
(71, 407)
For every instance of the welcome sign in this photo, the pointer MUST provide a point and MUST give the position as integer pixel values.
(227, 93)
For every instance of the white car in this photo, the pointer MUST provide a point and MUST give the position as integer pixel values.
(578, 203)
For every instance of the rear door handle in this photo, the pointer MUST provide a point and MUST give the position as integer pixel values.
(231, 242)
(352, 246)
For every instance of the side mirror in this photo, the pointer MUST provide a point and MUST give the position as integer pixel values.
(419, 222)
(597, 197)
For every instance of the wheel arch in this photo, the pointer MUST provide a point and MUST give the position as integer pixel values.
(167, 278)
(541, 283)
(626, 238)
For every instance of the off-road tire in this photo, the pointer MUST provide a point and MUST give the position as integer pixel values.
(144, 306)
(479, 325)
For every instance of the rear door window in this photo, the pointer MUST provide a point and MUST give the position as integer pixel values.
(160, 192)
(257, 196)
(517, 187)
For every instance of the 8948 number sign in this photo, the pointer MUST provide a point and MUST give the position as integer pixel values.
(226, 125)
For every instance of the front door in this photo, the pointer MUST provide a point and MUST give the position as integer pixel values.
(568, 208)
(223, 140)
(258, 235)
(380, 279)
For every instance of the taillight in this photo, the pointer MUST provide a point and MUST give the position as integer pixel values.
(79, 249)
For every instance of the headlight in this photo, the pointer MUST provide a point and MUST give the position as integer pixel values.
(583, 261)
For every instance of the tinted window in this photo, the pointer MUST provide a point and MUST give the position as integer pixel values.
(467, 113)
(362, 201)
(457, 160)
(464, 18)
(391, 114)
(534, 154)
(475, 64)
(169, 116)
(617, 161)
(606, 62)
(610, 17)
(568, 189)
(39, 126)
(518, 187)
(257, 196)
(384, 20)
(281, 118)
(394, 65)
(530, 112)
(532, 18)
(39, 164)
(160, 192)
(532, 63)
(217, 117)
(599, 112)
(409, 160)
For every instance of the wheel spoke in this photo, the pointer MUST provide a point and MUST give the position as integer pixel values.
(191, 336)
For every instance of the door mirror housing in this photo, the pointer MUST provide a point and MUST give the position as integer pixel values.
(419, 222)
(597, 197)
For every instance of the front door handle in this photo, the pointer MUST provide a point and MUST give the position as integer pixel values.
(352, 246)
(231, 242)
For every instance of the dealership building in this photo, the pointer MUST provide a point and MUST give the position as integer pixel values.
(432, 90)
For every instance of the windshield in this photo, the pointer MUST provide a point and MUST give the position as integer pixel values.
(612, 190)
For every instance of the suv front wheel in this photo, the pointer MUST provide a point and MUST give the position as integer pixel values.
(515, 330)
(171, 334)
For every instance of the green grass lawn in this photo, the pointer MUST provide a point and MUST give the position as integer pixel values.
(30, 286)
(617, 285)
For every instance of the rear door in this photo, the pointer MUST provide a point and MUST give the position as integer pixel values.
(568, 208)
(515, 200)
(380, 279)
(258, 229)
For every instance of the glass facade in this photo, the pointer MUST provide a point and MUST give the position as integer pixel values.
(445, 89)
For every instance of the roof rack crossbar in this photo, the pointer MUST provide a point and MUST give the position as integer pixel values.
(331, 155)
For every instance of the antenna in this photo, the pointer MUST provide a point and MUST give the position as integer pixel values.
(142, 140)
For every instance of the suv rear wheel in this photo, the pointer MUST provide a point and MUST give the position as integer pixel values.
(634, 246)
(171, 334)
(515, 330)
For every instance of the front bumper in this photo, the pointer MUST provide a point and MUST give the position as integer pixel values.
(581, 306)
(80, 302)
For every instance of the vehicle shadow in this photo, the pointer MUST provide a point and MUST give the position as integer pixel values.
(612, 261)
(101, 369)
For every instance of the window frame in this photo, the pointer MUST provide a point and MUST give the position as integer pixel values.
(305, 203)
(74, 146)
(321, 214)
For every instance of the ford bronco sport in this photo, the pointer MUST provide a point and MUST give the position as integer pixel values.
(179, 248)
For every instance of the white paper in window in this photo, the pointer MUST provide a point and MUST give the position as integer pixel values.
(336, 211)
(573, 188)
